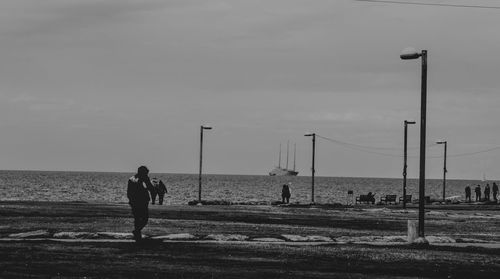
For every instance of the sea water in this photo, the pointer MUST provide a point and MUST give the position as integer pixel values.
(112, 187)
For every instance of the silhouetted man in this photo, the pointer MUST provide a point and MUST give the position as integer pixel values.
(487, 192)
(161, 189)
(467, 193)
(138, 196)
(286, 193)
(495, 191)
(477, 190)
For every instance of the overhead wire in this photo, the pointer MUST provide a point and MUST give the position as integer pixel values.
(431, 4)
(369, 149)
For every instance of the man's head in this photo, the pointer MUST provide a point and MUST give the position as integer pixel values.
(142, 171)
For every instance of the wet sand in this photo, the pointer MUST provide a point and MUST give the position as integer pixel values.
(198, 258)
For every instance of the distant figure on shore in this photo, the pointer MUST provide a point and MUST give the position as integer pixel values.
(467, 194)
(477, 190)
(153, 190)
(161, 189)
(487, 192)
(138, 197)
(286, 193)
(371, 197)
(495, 192)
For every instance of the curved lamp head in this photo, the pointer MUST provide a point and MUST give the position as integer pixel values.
(206, 127)
(409, 53)
(409, 122)
(441, 142)
(309, 134)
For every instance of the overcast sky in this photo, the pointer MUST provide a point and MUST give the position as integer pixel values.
(109, 85)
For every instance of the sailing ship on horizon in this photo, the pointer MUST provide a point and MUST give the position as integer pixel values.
(279, 171)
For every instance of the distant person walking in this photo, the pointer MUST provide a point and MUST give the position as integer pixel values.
(138, 197)
(286, 193)
(477, 190)
(467, 194)
(495, 192)
(487, 192)
(153, 190)
(161, 189)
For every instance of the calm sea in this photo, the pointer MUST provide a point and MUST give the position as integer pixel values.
(111, 187)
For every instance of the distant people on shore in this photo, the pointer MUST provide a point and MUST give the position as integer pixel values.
(468, 194)
(495, 192)
(477, 190)
(487, 192)
(138, 196)
(161, 189)
(286, 193)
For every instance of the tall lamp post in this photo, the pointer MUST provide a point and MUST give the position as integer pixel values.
(405, 159)
(408, 54)
(201, 159)
(444, 167)
(313, 135)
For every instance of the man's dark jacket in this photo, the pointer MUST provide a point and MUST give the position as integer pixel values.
(137, 191)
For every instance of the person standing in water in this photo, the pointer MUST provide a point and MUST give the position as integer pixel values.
(138, 197)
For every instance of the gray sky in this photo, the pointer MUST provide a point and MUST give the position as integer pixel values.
(111, 84)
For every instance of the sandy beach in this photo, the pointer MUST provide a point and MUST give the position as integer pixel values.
(78, 239)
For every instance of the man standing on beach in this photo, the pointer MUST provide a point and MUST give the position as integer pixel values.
(161, 189)
(495, 191)
(138, 196)
(478, 192)
(467, 194)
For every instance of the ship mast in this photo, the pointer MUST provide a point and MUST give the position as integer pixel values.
(287, 144)
(294, 151)
(279, 160)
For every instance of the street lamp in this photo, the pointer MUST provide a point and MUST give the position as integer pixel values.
(201, 159)
(313, 135)
(405, 159)
(407, 54)
(444, 167)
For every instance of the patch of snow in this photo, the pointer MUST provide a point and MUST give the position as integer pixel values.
(268, 239)
(294, 238)
(227, 237)
(319, 238)
(115, 235)
(32, 234)
(75, 235)
(176, 236)
(439, 239)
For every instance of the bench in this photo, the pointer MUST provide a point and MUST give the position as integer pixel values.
(365, 199)
(388, 199)
(407, 199)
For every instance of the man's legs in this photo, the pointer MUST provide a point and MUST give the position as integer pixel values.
(141, 216)
(160, 199)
